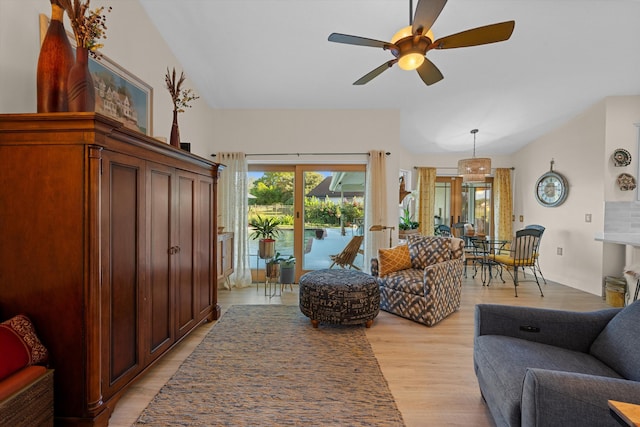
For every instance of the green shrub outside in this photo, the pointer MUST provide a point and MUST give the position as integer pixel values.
(326, 212)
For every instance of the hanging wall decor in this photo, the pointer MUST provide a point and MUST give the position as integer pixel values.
(621, 158)
(626, 182)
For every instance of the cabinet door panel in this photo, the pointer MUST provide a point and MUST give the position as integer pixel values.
(185, 284)
(160, 199)
(122, 208)
(206, 234)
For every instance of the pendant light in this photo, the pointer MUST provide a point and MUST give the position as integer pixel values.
(474, 169)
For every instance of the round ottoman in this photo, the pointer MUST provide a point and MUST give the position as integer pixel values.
(343, 297)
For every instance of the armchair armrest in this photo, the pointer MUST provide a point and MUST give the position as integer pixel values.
(443, 282)
(375, 267)
(551, 398)
(566, 329)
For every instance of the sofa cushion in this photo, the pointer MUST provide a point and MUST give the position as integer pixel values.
(410, 281)
(502, 362)
(394, 259)
(617, 345)
(428, 250)
(20, 346)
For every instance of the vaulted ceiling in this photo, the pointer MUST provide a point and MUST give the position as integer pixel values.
(563, 56)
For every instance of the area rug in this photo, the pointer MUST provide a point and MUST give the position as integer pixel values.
(265, 365)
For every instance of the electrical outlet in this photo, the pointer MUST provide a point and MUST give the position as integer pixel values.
(521, 218)
(587, 217)
(559, 251)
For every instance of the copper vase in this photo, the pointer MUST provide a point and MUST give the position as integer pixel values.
(54, 62)
(174, 138)
(82, 94)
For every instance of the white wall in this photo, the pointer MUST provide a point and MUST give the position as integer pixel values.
(133, 43)
(581, 149)
(312, 131)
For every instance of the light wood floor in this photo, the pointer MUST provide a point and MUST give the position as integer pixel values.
(429, 370)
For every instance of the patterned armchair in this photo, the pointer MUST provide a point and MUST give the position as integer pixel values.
(421, 280)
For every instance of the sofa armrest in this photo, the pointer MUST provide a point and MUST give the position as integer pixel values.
(566, 329)
(556, 398)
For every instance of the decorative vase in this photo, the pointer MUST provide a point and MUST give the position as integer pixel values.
(54, 62)
(174, 139)
(82, 94)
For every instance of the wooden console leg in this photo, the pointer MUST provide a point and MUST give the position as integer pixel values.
(315, 323)
(369, 323)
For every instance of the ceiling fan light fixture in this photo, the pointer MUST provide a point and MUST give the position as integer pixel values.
(411, 61)
(408, 31)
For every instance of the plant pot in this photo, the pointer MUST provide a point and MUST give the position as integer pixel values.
(403, 234)
(287, 273)
(266, 248)
(273, 270)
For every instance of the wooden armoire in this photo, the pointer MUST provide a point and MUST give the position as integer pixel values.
(108, 243)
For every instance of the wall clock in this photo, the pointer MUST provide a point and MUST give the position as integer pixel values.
(551, 189)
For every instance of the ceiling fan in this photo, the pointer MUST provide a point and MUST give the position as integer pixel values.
(410, 45)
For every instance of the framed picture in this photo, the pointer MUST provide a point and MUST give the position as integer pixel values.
(119, 94)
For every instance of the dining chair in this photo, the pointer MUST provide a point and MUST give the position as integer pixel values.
(348, 255)
(522, 254)
(537, 255)
(443, 230)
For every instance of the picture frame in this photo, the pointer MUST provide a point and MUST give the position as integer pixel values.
(120, 94)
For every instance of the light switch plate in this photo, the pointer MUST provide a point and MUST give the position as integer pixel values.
(587, 217)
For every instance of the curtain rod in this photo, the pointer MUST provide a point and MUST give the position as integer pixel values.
(307, 154)
(450, 167)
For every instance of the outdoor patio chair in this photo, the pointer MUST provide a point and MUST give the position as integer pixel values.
(348, 255)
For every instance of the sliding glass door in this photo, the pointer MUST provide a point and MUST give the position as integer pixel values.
(320, 209)
(463, 202)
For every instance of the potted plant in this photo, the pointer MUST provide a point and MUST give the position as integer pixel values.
(407, 225)
(287, 270)
(273, 266)
(265, 229)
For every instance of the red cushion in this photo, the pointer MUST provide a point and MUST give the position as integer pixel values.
(20, 346)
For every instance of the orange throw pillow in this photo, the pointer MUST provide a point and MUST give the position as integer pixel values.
(393, 259)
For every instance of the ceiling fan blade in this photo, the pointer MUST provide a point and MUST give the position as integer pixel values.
(429, 73)
(476, 36)
(357, 40)
(375, 73)
(427, 11)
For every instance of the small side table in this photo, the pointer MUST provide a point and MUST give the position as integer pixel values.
(627, 414)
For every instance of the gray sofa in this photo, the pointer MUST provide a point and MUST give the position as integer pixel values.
(540, 367)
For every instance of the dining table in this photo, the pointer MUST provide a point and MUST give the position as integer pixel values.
(484, 250)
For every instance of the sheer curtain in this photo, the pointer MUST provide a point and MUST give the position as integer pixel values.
(503, 203)
(426, 200)
(232, 213)
(375, 206)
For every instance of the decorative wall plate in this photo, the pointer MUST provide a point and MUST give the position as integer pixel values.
(626, 182)
(621, 157)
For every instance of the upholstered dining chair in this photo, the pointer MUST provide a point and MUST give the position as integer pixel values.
(348, 255)
(522, 254)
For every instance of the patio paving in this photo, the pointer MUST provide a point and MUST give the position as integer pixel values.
(321, 249)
